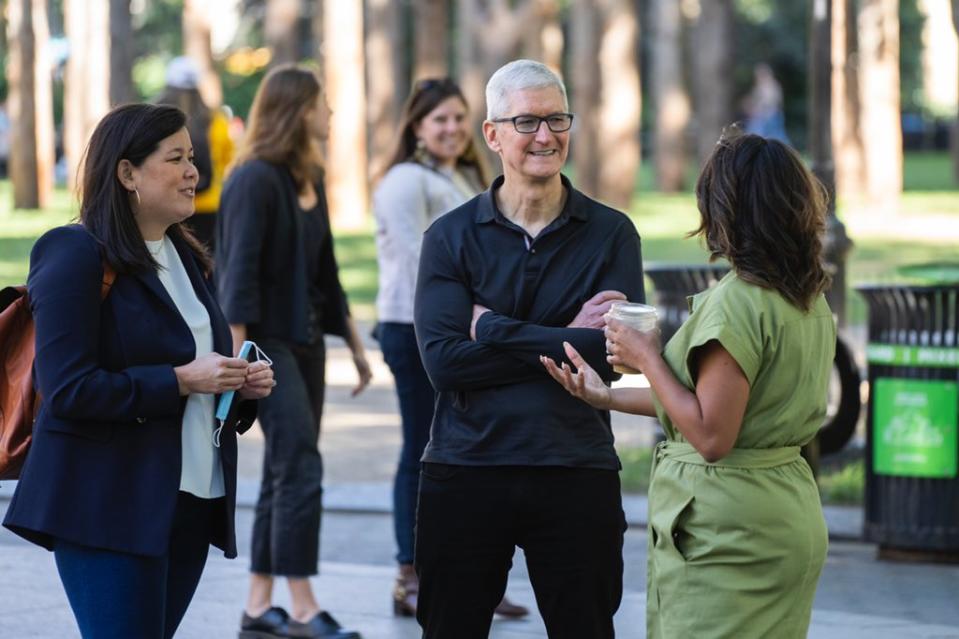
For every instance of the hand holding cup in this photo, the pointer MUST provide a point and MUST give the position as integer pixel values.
(631, 334)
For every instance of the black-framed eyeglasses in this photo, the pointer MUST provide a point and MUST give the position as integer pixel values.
(557, 122)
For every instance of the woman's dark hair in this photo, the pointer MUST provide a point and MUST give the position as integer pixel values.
(129, 132)
(278, 130)
(426, 95)
(764, 211)
(190, 101)
(198, 118)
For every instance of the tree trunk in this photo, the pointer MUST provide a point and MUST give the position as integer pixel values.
(472, 71)
(281, 30)
(587, 84)
(712, 62)
(316, 32)
(836, 244)
(606, 98)
(489, 34)
(879, 82)
(121, 53)
(820, 93)
(86, 86)
(196, 44)
(30, 104)
(346, 178)
(671, 101)
(955, 128)
(385, 79)
(543, 36)
(846, 131)
(620, 103)
(431, 25)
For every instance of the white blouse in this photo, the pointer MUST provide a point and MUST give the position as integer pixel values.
(407, 200)
(201, 473)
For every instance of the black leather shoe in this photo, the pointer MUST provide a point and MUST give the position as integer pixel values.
(322, 626)
(511, 610)
(272, 624)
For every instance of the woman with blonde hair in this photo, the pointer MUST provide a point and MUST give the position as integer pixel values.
(278, 284)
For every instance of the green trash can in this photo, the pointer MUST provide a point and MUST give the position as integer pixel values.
(912, 449)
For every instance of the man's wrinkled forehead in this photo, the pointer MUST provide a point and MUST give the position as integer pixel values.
(538, 101)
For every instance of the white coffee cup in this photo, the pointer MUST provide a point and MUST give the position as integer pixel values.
(642, 317)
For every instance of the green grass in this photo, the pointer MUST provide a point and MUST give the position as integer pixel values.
(637, 464)
(662, 221)
(20, 229)
(844, 486)
(921, 171)
(927, 217)
(840, 486)
(356, 255)
(928, 171)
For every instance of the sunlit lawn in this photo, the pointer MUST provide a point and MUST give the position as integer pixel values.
(926, 228)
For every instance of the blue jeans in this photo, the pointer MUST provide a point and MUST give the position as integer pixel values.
(116, 594)
(417, 400)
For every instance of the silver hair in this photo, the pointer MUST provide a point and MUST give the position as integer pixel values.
(519, 75)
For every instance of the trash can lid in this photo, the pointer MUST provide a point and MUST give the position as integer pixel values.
(932, 272)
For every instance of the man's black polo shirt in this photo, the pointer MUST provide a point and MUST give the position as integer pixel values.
(496, 403)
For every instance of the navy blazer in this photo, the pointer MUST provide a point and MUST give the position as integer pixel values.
(103, 469)
(261, 262)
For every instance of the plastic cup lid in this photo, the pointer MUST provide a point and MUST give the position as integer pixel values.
(632, 308)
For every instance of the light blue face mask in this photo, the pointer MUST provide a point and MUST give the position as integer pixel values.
(226, 399)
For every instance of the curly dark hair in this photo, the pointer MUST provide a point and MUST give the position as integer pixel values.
(764, 211)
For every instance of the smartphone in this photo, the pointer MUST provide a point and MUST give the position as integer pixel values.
(247, 352)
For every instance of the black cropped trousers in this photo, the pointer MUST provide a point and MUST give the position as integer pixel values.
(286, 524)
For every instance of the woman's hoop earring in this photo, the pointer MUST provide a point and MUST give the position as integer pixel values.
(420, 154)
(137, 193)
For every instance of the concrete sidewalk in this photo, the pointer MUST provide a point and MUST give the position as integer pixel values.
(858, 596)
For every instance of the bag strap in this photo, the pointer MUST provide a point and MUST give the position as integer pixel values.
(109, 276)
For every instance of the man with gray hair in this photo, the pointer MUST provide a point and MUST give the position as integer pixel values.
(513, 459)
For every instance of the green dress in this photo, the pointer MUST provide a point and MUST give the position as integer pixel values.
(736, 547)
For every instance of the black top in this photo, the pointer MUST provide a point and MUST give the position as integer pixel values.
(497, 405)
(316, 234)
(266, 275)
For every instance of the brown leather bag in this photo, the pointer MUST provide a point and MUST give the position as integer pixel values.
(19, 401)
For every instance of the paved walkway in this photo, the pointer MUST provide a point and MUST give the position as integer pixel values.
(858, 597)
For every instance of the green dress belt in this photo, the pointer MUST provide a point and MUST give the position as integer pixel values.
(746, 458)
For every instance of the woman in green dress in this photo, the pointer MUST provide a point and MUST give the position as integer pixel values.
(736, 533)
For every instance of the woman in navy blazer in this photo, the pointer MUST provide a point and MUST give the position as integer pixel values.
(125, 480)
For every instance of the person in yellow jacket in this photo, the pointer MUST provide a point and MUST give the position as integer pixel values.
(737, 539)
(212, 145)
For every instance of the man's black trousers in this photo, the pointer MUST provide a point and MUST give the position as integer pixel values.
(568, 521)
